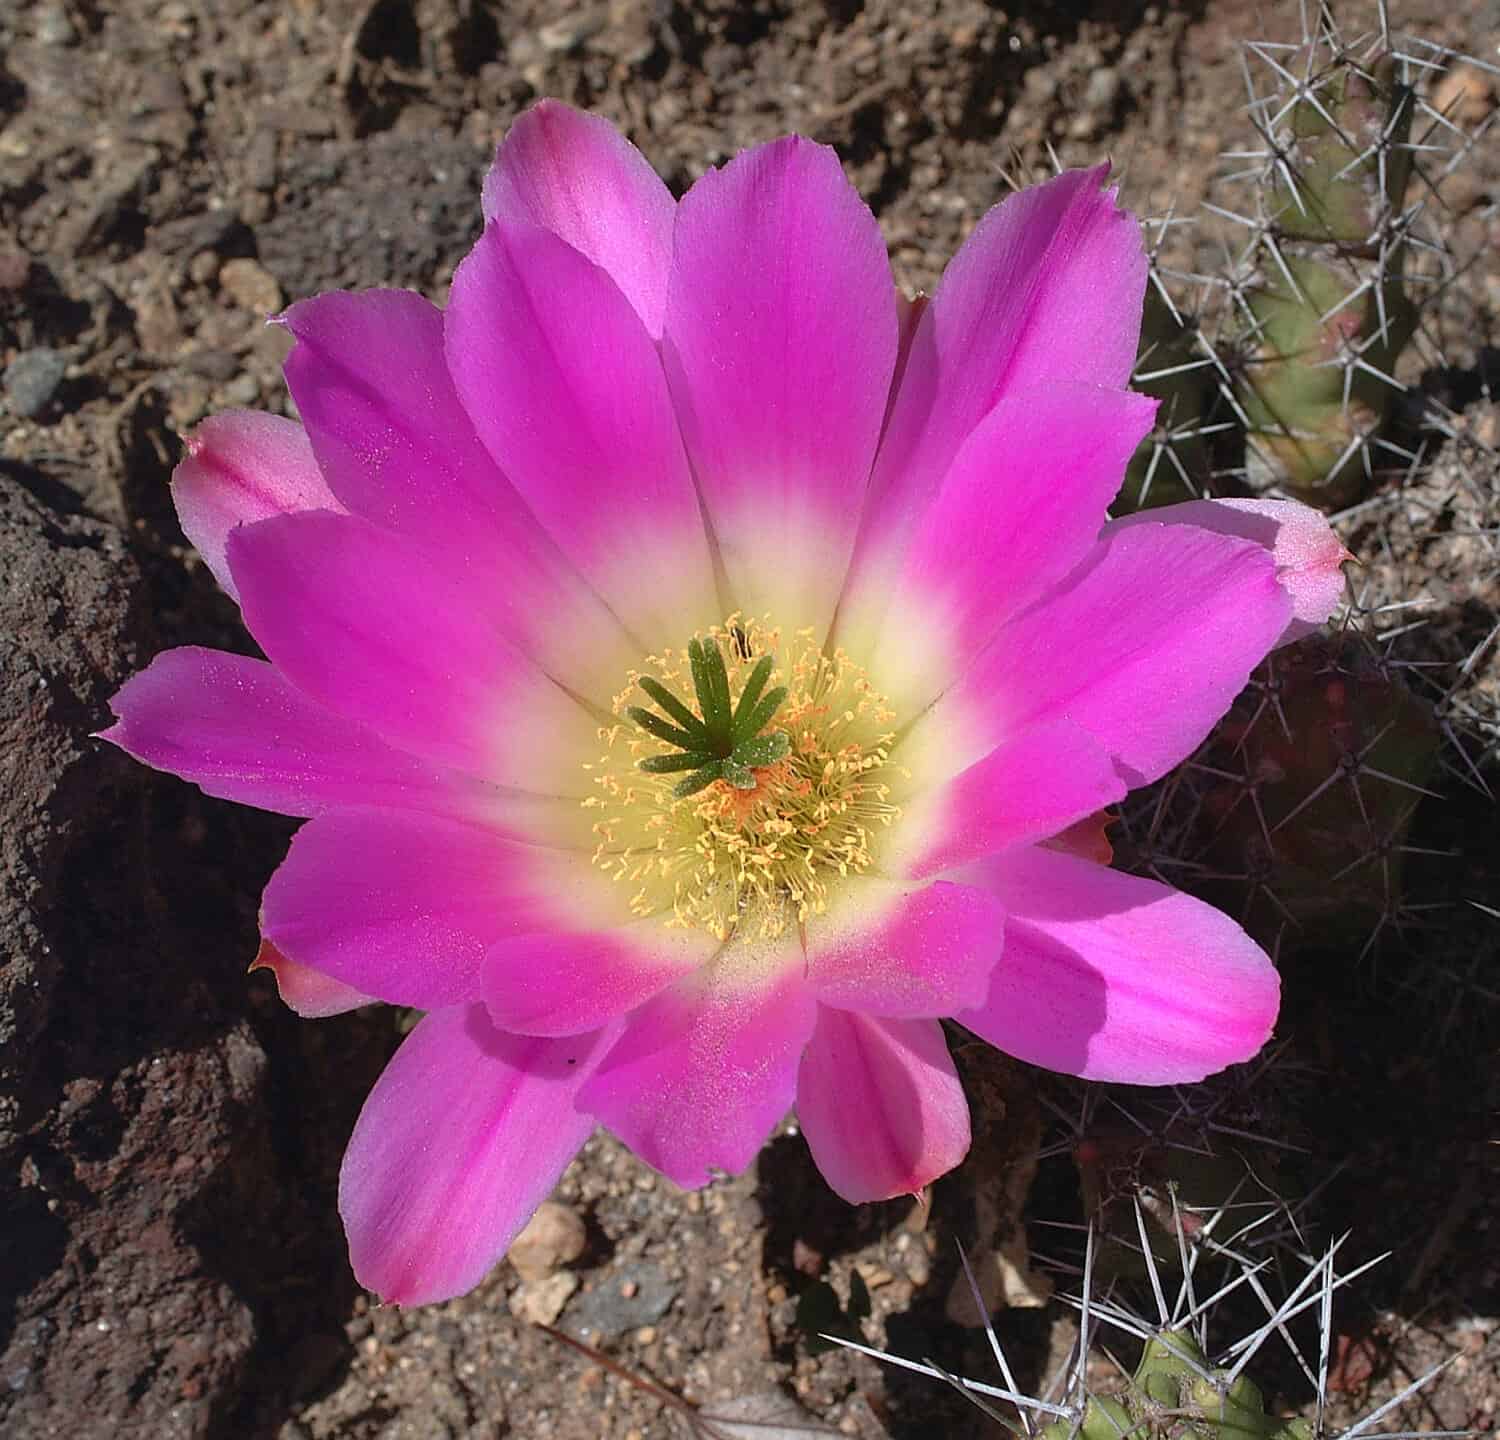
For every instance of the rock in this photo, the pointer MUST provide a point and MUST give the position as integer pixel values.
(540, 1302)
(553, 1237)
(54, 27)
(32, 378)
(1103, 89)
(216, 365)
(634, 1294)
(764, 1414)
(15, 267)
(251, 286)
(153, 1239)
(242, 391)
(1465, 95)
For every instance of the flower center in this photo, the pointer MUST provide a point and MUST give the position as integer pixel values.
(787, 780)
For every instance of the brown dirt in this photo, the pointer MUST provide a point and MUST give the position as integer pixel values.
(170, 1263)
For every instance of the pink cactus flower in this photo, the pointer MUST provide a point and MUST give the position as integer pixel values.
(696, 668)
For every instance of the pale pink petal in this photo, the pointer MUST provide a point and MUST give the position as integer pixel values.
(1309, 557)
(566, 389)
(403, 906)
(463, 1136)
(1047, 290)
(312, 994)
(902, 949)
(243, 466)
(1144, 646)
(374, 629)
(1028, 788)
(238, 729)
(706, 1070)
(564, 982)
(780, 343)
(1113, 977)
(881, 1105)
(1020, 508)
(577, 176)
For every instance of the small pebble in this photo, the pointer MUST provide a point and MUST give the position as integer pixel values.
(553, 1237)
(32, 378)
(54, 27)
(15, 267)
(542, 1301)
(243, 390)
(204, 267)
(1103, 89)
(251, 286)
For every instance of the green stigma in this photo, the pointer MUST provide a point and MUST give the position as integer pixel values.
(721, 742)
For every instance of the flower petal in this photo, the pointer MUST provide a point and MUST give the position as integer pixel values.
(1048, 289)
(312, 994)
(238, 729)
(881, 1105)
(373, 629)
(243, 466)
(566, 389)
(1026, 789)
(904, 950)
(1144, 646)
(780, 343)
(463, 1136)
(1020, 508)
(1309, 556)
(706, 1070)
(404, 906)
(569, 981)
(577, 176)
(368, 375)
(1113, 977)
(371, 382)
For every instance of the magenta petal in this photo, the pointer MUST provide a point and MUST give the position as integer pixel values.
(881, 1105)
(402, 906)
(368, 375)
(238, 729)
(566, 389)
(370, 378)
(377, 631)
(706, 1070)
(904, 950)
(1047, 290)
(463, 1136)
(780, 343)
(1028, 788)
(243, 466)
(1309, 556)
(1113, 977)
(312, 994)
(577, 176)
(569, 981)
(1144, 646)
(1020, 508)
(372, 387)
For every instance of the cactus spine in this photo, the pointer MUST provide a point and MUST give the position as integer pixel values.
(1281, 371)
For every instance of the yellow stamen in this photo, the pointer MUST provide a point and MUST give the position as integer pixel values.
(759, 860)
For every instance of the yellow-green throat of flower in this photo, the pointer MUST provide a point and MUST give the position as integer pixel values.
(742, 814)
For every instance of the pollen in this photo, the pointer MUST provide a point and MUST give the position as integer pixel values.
(764, 847)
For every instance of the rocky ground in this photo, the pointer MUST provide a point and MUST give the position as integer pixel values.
(171, 171)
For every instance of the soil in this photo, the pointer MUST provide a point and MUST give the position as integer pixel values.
(172, 171)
